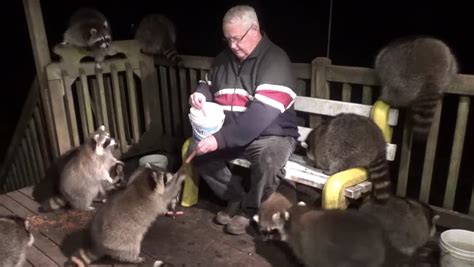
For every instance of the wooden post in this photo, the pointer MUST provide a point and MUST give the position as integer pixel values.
(39, 43)
(319, 86)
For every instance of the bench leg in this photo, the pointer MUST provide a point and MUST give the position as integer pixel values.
(191, 182)
(333, 191)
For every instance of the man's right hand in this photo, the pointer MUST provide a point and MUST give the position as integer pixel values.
(197, 100)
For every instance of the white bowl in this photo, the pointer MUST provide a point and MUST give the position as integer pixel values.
(154, 159)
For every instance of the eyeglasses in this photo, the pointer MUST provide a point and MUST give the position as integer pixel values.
(235, 40)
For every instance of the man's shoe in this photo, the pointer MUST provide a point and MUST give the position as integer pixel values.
(224, 217)
(237, 225)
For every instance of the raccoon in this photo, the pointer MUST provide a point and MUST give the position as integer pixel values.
(116, 172)
(81, 178)
(16, 237)
(414, 72)
(409, 223)
(88, 28)
(331, 238)
(156, 35)
(129, 214)
(282, 199)
(348, 141)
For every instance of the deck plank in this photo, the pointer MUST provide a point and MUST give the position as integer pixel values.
(25, 201)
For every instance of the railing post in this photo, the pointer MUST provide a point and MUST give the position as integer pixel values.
(39, 43)
(319, 85)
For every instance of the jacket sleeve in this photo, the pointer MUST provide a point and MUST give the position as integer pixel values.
(273, 96)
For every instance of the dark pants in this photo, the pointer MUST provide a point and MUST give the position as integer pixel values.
(267, 155)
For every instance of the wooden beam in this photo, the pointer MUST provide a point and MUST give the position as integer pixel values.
(39, 44)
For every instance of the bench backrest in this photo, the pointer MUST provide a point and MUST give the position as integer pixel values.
(326, 107)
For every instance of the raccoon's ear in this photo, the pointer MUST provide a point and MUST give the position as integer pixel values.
(169, 177)
(106, 24)
(286, 215)
(255, 218)
(159, 181)
(111, 143)
(27, 224)
(93, 31)
(102, 128)
(303, 144)
(301, 204)
(435, 219)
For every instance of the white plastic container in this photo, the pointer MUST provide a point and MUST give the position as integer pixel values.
(208, 122)
(155, 160)
(457, 248)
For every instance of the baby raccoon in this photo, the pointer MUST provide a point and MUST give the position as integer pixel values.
(409, 223)
(81, 178)
(15, 238)
(414, 72)
(330, 238)
(347, 141)
(129, 214)
(156, 35)
(282, 199)
(88, 28)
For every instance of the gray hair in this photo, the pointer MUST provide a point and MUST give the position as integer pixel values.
(244, 14)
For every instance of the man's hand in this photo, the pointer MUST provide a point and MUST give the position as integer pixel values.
(197, 100)
(206, 145)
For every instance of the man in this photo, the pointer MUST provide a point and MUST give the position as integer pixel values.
(252, 79)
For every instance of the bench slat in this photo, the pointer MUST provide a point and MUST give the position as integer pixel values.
(332, 107)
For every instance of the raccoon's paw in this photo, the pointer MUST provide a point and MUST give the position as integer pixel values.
(98, 66)
(100, 200)
(174, 213)
(90, 208)
(138, 260)
(158, 263)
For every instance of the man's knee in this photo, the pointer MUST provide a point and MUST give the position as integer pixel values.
(272, 160)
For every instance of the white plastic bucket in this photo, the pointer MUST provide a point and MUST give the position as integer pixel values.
(207, 122)
(457, 248)
(155, 160)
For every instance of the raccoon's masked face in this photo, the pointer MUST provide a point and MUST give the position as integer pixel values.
(273, 229)
(99, 38)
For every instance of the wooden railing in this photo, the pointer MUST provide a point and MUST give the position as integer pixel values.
(117, 105)
(29, 153)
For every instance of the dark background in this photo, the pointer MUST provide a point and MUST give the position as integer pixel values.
(358, 30)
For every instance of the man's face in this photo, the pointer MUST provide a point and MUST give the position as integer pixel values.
(242, 39)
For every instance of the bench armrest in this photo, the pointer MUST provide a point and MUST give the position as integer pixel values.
(380, 115)
(334, 189)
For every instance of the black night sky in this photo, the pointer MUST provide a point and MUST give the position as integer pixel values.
(359, 29)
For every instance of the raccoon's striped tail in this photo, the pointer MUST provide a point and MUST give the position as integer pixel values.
(379, 175)
(423, 111)
(172, 55)
(84, 257)
(53, 203)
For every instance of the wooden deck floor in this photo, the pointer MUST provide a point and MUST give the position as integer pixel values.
(188, 240)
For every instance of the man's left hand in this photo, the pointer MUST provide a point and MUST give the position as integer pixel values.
(206, 145)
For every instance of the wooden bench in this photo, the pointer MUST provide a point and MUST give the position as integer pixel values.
(338, 188)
